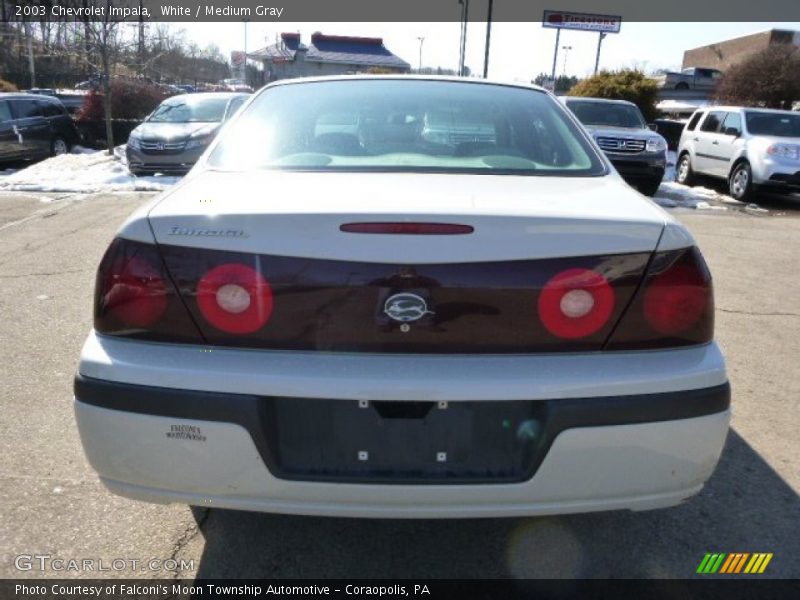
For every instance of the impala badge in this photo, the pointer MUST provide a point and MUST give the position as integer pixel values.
(406, 307)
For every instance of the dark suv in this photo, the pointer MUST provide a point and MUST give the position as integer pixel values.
(34, 126)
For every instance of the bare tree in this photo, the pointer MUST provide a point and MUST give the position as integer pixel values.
(103, 44)
(770, 78)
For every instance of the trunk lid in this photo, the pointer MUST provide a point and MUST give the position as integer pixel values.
(514, 218)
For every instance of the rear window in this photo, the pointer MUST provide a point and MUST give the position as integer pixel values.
(607, 113)
(406, 125)
(5, 112)
(777, 124)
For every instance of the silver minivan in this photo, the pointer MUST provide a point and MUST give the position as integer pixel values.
(752, 148)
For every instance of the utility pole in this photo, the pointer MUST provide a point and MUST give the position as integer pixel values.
(599, 44)
(421, 41)
(31, 65)
(488, 39)
(464, 20)
(245, 51)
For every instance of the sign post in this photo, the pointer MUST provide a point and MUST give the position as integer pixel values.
(603, 24)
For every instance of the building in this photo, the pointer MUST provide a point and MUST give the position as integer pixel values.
(725, 54)
(326, 55)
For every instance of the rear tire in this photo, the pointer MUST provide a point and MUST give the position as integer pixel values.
(684, 173)
(649, 187)
(740, 183)
(58, 146)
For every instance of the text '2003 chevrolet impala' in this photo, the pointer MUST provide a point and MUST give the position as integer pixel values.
(403, 297)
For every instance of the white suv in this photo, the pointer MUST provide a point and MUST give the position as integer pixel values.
(752, 148)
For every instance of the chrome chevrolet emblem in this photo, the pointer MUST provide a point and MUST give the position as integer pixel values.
(406, 307)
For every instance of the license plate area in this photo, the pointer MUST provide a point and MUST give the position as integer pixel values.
(403, 442)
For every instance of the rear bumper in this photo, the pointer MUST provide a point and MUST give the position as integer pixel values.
(783, 183)
(216, 448)
(492, 441)
(637, 466)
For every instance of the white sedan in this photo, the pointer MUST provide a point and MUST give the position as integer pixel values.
(403, 297)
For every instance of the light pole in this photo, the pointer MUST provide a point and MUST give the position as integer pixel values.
(566, 50)
(421, 39)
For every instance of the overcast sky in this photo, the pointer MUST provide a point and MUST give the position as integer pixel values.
(519, 51)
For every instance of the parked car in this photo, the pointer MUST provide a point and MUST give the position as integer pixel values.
(371, 324)
(177, 132)
(753, 148)
(33, 127)
(186, 88)
(618, 127)
(72, 100)
(236, 85)
(670, 130)
(692, 78)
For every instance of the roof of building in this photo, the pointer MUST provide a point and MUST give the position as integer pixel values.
(332, 49)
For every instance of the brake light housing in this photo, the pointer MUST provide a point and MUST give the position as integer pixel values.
(135, 297)
(674, 305)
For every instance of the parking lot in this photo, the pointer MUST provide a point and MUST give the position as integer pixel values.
(52, 504)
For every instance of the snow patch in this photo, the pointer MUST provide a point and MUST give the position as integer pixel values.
(669, 172)
(76, 149)
(86, 172)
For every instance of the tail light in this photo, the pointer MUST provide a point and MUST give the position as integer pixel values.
(192, 295)
(135, 297)
(576, 303)
(673, 307)
(235, 298)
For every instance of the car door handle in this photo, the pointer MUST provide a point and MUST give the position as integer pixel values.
(715, 143)
(695, 139)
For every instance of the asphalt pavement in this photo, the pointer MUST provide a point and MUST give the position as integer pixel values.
(52, 504)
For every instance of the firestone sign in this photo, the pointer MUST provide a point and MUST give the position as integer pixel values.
(581, 21)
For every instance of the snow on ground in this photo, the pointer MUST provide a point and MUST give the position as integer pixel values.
(84, 171)
(674, 195)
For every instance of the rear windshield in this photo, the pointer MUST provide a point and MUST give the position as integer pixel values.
(405, 125)
(606, 113)
(189, 109)
(777, 124)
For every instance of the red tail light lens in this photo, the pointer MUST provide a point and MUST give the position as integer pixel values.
(576, 303)
(235, 298)
(135, 293)
(135, 297)
(673, 307)
(675, 300)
